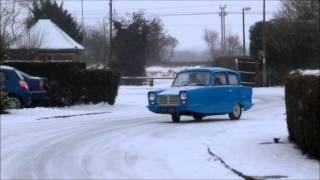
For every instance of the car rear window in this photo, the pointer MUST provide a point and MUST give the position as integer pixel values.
(233, 80)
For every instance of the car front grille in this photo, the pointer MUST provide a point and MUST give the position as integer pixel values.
(169, 100)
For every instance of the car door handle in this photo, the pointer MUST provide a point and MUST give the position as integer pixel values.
(230, 90)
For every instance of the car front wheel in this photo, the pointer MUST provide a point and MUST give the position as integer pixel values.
(236, 114)
(14, 103)
(198, 117)
(175, 118)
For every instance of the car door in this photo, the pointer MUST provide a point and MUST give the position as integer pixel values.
(234, 89)
(219, 93)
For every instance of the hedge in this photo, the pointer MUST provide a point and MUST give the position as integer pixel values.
(3, 100)
(302, 96)
(70, 83)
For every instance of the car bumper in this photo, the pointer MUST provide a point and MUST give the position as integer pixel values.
(40, 97)
(166, 109)
(26, 99)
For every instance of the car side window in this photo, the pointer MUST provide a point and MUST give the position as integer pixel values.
(2, 76)
(233, 80)
(220, 79)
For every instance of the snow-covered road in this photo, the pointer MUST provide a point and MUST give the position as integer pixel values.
(127, 141)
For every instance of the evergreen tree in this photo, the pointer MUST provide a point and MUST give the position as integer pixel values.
(49, 9)
(137, 42)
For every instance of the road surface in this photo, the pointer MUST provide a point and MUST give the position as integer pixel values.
(127, 141)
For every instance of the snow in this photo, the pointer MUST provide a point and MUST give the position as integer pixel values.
(311, 72)
(131, 142)
(308, 72)
(51, 36)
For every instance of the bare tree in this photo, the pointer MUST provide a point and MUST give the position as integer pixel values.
(10, 26)
(299, 10)
(167, 49)
(212, 40)
(97, 43)
(32, 39)
(233, 45)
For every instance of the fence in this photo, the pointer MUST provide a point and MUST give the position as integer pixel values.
(150, 80)
(247, 66)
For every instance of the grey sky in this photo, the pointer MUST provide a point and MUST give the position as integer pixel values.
(187, 29)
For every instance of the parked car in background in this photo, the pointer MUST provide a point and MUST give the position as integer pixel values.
(22, 88)
(202, 92)
(37, 87)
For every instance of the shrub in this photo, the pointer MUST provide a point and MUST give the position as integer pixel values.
(70, 83)
(302, 96)
(3, 100)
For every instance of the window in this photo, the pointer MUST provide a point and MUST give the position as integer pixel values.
(220, 79)
(20, 77)
(192, 79)
(2, 76)
(233, 80)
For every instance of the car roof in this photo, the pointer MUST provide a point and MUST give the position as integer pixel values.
(7, 67)
(210, 69)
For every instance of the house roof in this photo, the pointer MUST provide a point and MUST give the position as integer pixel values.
(51, 37)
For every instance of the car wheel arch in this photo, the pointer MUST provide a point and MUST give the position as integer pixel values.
(16, 96)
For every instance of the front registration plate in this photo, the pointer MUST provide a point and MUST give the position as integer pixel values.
(167, 110)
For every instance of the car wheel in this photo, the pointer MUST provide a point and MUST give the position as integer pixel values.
(175, 118)
(14, 103)
(236, 114)
(197, 117)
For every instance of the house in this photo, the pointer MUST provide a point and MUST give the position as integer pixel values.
(45, 41)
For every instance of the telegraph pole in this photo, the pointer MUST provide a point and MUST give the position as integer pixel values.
(244, 30)
(82, 22)
(223, 14)
(110, 32)
(264, 69)
(1, 50)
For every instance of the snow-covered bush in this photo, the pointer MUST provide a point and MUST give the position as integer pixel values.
(302, 95)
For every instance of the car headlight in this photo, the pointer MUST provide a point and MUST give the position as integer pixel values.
(152, 97)
(183, 96)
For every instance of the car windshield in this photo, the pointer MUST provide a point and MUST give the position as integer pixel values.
(192, 79)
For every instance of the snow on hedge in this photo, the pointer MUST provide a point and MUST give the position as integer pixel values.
(307, 72)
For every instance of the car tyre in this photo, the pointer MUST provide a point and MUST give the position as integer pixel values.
(236, 114)
(14, 103)
(198, 117)
(175, 118)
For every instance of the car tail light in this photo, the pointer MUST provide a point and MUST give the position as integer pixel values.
(41, 84)
(23, 85)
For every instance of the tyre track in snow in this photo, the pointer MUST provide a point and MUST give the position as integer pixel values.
(40, 151)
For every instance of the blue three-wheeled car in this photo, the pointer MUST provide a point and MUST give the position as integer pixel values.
(202, 92)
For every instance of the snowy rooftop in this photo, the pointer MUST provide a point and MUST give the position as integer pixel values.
(52, 37)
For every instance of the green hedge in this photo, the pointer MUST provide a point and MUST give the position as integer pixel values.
(70, 83)
(302, 96)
